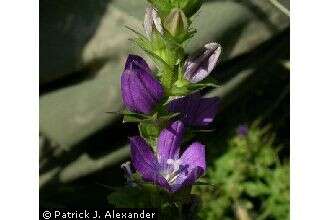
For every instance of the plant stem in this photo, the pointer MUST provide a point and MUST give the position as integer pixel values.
(280, 7)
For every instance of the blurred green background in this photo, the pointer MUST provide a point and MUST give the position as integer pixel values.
(83, 46)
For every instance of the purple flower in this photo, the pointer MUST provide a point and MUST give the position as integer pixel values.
(168, 169)
(140, 90)
(195, 110)
(198, 67)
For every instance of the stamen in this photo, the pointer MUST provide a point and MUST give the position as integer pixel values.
(173, 171)
(175, 163)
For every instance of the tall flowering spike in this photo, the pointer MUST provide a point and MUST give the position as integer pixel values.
(195, 110)
(152, 21)
(140, 90)
(169, 170)
(198, 67)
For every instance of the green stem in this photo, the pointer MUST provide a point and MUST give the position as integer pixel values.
(280, 7)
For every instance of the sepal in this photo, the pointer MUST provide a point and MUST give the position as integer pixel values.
(190, 7)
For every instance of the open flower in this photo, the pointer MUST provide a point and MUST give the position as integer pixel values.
(198, 67)
(140, 90)
(168, 169)
(195, 110)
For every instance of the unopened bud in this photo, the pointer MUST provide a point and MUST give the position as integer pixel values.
(140, 90)
(198, 67)
(152, 21)
(128, 173)
(176, 22)
(127, 168)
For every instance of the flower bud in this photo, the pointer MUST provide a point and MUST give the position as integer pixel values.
(198, 67)
(152, 21)
(140, 90)
(176, 22)
(128, 173)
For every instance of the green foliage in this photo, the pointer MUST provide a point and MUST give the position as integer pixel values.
(250, 181)
(133, 117)
(151, 127)
(166, 53)
(190, 7)
(146, 195)
(143, 195)
(150, 132)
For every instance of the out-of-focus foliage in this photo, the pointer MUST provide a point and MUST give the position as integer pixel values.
(249, 181)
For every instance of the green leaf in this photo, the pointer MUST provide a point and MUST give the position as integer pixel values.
(160, 63)
(256, 189)
(179, 91)
(199, 86)
(208, 82)
(137, 33)
(198, 183)
(129, 197)
(125, 112)
(190, 7)
(141, 196)
(163, 6)
(131, 118)
(150, 132)
(168, 117)
(182, 196)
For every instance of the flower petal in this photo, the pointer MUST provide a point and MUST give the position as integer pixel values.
(140, 90)
(207, 109)
(145, 162)
(135, 62)
(193, 166)
(194, 156)
(195, 110)
(184, 180)
(134, 96)
(168, 145)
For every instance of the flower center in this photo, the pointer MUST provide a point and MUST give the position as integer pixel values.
(173, 170)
